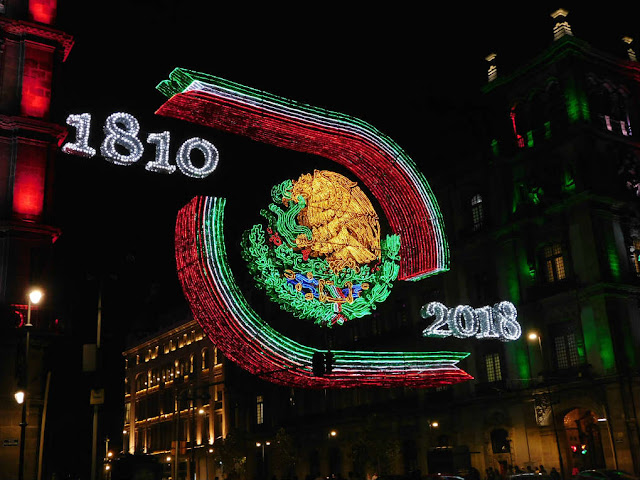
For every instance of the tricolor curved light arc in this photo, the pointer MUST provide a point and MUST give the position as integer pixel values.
(381, 165)
(219, 306)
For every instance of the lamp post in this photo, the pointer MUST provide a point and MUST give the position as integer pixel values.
(34, 296)
(264, 466)
(533, 336)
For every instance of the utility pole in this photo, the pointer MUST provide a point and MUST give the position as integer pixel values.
(94, 442)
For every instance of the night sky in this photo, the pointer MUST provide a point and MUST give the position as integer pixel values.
(407, 71)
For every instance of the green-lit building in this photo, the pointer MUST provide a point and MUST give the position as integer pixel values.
(541, 209)
(546, 216)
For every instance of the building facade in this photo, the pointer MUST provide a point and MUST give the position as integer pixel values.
(174, 400)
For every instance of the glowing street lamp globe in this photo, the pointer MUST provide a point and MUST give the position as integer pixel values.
(35, 296)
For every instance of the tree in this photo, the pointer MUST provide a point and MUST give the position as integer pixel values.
(373, 451)
(231, 453)
(285, 454)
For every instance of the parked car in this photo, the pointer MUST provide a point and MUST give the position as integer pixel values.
(443, 476)
(604, 475)
(530, 476)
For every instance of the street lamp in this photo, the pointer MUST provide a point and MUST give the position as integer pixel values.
(35, 295)
(533, 336)
(264, 467)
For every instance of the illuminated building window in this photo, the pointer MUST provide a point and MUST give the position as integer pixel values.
(519, 138)
(154, 352)
(565, 345)
(141, 382)
(166, 348)
(492, 364)
(137, 359)
(205, 359)
(477, 212)
(172, 345)
(635, 256)
(191, 362)
(259, 410)
(554, 263)
(217, 359)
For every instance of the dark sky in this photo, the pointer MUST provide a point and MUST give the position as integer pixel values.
(400, 68)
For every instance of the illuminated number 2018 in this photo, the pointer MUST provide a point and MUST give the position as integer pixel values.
(121, 135)
(499, 321)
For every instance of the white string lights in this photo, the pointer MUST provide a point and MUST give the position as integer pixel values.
(81, 146)
(463, 321)
(183, 158)
(122, 146)
(121, 129)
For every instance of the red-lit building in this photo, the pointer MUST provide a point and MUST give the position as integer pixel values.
(31, 50)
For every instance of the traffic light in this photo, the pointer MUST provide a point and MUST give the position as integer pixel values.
(318, 364)
(574, 448)
(328, 362)
(583, 449)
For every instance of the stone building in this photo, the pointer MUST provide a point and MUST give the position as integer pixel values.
(31, 49)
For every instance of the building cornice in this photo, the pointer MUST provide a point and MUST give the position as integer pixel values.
(22, 28)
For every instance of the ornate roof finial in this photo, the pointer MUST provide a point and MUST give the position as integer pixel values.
(630, 51)
(561, 27)
(493, 69)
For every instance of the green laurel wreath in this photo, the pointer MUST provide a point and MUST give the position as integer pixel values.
(270, 253)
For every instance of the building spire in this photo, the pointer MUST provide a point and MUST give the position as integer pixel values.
(561, 27)
(630, 51)
(493, 69)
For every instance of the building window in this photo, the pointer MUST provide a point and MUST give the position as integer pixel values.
(565, 346)
(492, 364)
(477, 212)
(259, 410)
(205, 359)
(141, 382)
(635, 256)
(554, 263)
(500, 441)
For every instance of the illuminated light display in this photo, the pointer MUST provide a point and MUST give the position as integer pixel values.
(183, 159)
(378, 162)
(463, 321)
(82, 124)
(246, 339)
(122, 129)
(321, 256)
(161, 163)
